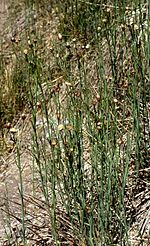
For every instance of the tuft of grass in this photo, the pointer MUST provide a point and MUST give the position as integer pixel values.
(85, 82)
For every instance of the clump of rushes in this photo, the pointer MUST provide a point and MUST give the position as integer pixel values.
(86, 84)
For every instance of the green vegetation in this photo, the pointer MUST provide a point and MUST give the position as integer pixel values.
(81, 70)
